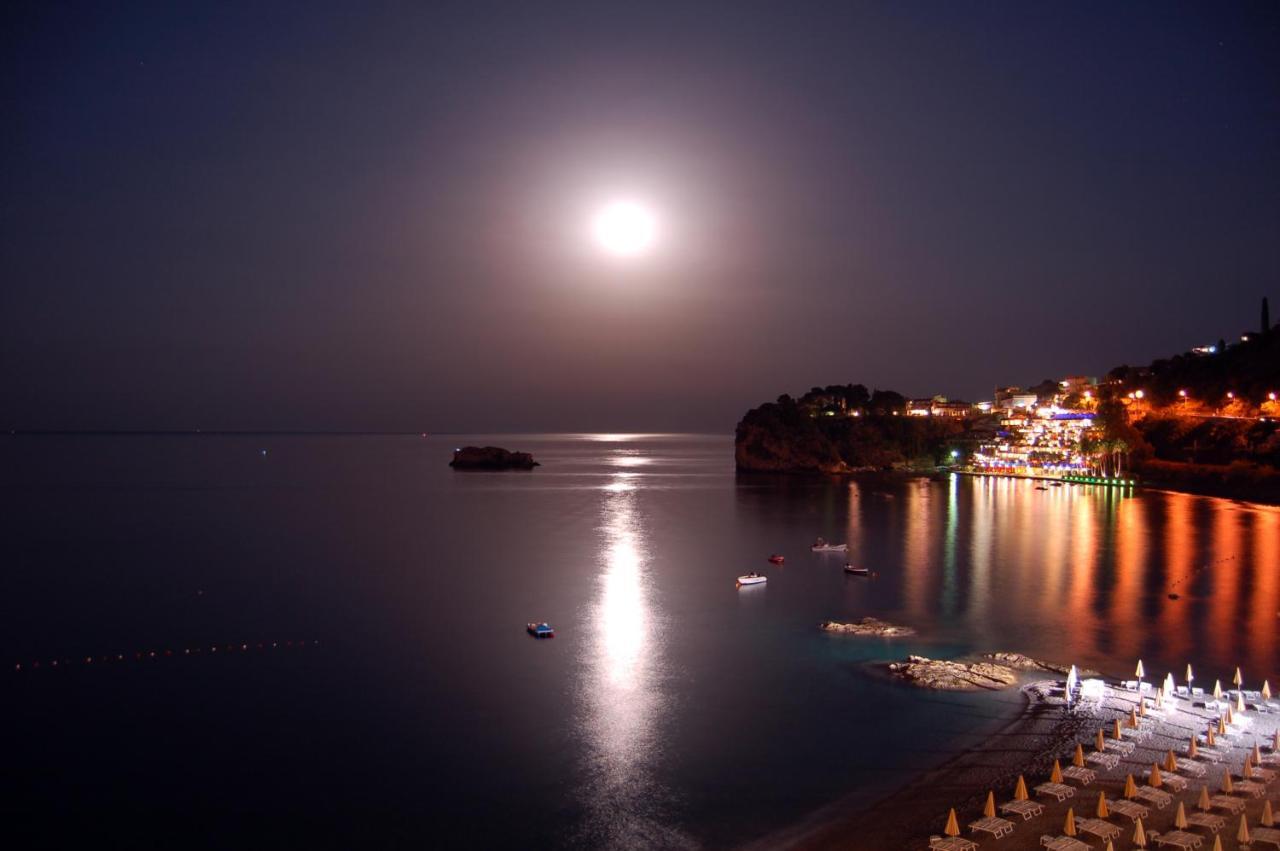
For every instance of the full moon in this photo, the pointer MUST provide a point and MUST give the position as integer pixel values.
(624, 228)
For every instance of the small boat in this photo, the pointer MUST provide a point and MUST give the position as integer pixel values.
(776, 559)
(821, 546)
(857, 571)
(752, 579)
(1041, 488)
(540, 630)
(1056, 484)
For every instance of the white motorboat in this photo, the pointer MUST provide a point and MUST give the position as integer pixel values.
(752, 579)
(857, 571)
(822, 546)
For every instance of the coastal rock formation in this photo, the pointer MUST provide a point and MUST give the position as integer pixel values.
(953, 676)
(867, 626)
(491, 458)
(1025, 663)
(801, 436)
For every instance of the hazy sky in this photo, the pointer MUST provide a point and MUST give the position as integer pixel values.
(331, 215)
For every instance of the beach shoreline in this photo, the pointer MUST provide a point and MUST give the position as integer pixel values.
(1027, 744)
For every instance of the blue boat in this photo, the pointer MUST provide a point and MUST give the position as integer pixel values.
(540, 630)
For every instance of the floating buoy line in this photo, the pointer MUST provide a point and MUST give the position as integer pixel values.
(1195, 572)
(156, 655)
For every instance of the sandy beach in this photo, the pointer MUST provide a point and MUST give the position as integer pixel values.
(1045, 730)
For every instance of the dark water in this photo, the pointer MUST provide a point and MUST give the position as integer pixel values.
(670, 711)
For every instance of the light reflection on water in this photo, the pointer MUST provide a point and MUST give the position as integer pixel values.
(622, 698)
(1086, 574)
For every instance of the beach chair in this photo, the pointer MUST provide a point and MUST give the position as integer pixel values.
(1252, 788)
(1107, 760)
(1264, 775)
(951, 843)
(1098, 827)
(1080, 774)
(1155, 796)
(1120, 746)
(1176, 783)
(1226, 802)
(1194, 769)
(1266, 835)
(1063, 843)
(1208, 821)
(1176, 838)
(1133, 810)
(993, 825)
(1057, 790)
(1026, 809)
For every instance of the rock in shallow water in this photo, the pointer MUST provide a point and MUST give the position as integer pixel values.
(953, 676)
(867, 626)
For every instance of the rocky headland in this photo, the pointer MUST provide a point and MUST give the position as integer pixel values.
(867, 626)
(491, 458)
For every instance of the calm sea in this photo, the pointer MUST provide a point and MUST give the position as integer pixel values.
(372, 685)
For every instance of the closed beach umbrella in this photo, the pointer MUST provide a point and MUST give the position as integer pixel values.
(1133, 718)
(1275, 740)
(1257, 754)
(953, 824)
(1266, 690)
(1217, 689)
(1160, 698)
(1099, 745)
(1228, 717)
(1055, 776)
(1203, 803)
(1139, 835)
(990, 809)
(1154, 779)
(1246, 772)
(1208, 736)
(1268, 820)
(1142, 709)
(1170, 762)
(1222, 721)
(1242, 835)
(1069, 824)
(1168, 683)
(1239, 701)
(1237, 679)
(1078, 759)
(1139, 672)
(1117, 734)
(1192, 750)
(1226, 782)
(1217, 843)
(1020, 791)
(1180, 817)
(1130, 788)
(1103, 810)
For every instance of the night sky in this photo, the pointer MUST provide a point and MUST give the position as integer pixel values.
(327, 216)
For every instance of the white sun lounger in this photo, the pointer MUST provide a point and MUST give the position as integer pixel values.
(1177, 838)
(1174, 782)
(1026, 809)
(1207, 820)
(997, 827)
(1152, 795)
(1269, 835)
(1098, 827)
(1057, 790)
(1080, 774)
(1226, 802)
(1130, 809)
(1063, 843)
(1250, 787)
(951, 843)
(1106, 760)
(1194, 769)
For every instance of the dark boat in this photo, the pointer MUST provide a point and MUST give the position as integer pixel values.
(540, 630)
(776, 559)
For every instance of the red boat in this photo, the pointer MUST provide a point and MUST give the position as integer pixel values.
(776, 559)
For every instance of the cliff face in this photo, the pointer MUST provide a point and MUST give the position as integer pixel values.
(784, 437)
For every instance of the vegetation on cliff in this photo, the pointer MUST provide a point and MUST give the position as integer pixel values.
(843, 429)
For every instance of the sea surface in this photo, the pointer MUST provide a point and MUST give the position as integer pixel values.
(318, 641)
